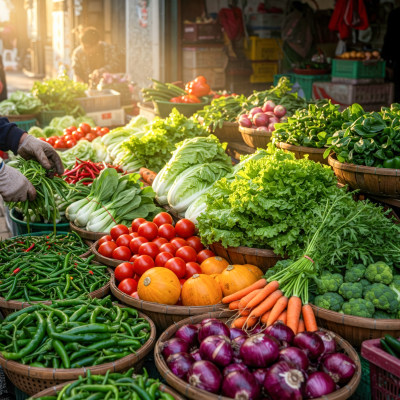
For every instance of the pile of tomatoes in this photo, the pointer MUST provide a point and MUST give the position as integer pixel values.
(153, 244)
(73, 135)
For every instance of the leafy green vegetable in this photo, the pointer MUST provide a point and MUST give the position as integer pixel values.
(36, 131)
(26, 103)
(7, 107)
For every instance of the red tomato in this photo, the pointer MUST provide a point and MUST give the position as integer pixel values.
(90, 137)
(151, 249)
(123, 271)
(187, 253)
(122, 253)
(195, 242)
(142, 264)
(135, 295)
(98, 129)
(73, 128)
(77, 135)
(160, 241)
(177, 266)
(166, 231)
(42, 139)
(70, 144)
(136, 223)
(124, 240)
(134, 234)
(185, 228)
(149, 230)
(60, 144)
(104, 131)
(128, 286)
(162, 218)
(93, 131)
(85, 128)
(67, 131)
(168, 248)
(203, 255)
(130, 230)
(136, 243)
(106, 249)
(181, 281)
(191, 269)
(162, 258)
(51, 140)
(105, 238)
(133, 258)
(118, 230)
(67, 137)
(178, 242)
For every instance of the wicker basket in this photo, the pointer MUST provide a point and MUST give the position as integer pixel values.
(255, 139)
(378, 181)
(163, 315)
(32, 380)
(194, 393)
(101, 259)
(22, 117)
(356, 329)
(9, 306)
(262, 258)
(228, 132)
(314, 154)
(53, 391)
(84, 234)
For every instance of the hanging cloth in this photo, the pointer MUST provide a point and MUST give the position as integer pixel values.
(231, 20)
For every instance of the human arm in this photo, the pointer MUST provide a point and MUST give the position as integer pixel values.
(10, 135)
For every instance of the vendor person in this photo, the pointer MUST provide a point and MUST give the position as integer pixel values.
(93, 57)
(13, 185)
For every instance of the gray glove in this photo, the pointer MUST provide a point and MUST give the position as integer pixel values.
(32, 148)
(14, 186)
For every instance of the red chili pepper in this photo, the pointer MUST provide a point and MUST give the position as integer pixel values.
(16, 270)
(30, 247)
(91, 272)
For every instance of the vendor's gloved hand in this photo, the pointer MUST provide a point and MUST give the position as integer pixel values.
(32, 148)
(14, 186)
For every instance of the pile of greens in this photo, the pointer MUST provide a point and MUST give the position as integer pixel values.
(60, 94)
(20, 103)
(153, 149)
(310, 127)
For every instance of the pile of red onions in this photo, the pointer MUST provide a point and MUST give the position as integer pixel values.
(272, 363)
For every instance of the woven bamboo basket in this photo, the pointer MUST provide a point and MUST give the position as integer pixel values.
(9, 306)
(356, 329)
(53, 391)
(101, 259)
(228, 132)
(32, 380)
(255, 139)
(378, 181)
(192, 392)
(314, 154)
(22, 117)
(84, 234)
(163, 315)
(262, 258)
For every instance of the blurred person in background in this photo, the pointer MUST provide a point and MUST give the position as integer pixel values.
(93, 57)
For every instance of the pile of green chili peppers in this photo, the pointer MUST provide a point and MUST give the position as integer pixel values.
(113, 386)
(43, 277)
(72, 333)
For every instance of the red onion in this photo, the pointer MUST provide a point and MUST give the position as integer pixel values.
(260, 119)
(236, 359)
(294, 356)
(260, 375)
(211, 328)
(279, 111)
(339, 366)
(235, 332)
(174, 345)
(273, 120)
(269, 106)
(254, 111)
(311, 343)
(180, 363)
(188, 333)
(207, 320)
(205, 375)
(240, 385)
(196, 355)
(281, 332)
(271, 127)
(257, 329)
(234, 367)
(217, 349)
(328, 340)
(237, 344)
(283, 382)
(263, 128)
(245, 121)
(259, 351)
(319, 384)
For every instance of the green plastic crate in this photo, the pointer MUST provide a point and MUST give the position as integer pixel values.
(363, 391)
(26, 125)
(355, 69)
(45, 117)
(306, 82)
(290, 76)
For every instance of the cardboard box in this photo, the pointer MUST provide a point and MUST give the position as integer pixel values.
(109, 117)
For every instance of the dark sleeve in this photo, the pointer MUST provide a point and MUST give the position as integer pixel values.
(10, 135)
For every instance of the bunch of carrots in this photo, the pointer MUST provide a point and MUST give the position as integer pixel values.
(263, 302)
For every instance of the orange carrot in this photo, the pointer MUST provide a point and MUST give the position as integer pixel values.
(263, 294)
(239, 322)
(241, 293)
(277, 310)
(244, 300)
(244, 313)
(309, 318)
(283, 317)
(234, 305)
(264, 317)
(300, 327)
(293, 313)
(267, 304)
(250, 322)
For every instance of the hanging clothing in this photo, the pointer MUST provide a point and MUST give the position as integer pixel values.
(231, 20)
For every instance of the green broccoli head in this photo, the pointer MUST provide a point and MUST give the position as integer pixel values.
(355, 273)
(351, 290)
(359, 308)
(365, 283)
(380, 314)
(330, 301)
(328, 282)
(382, 297)
(379, 273)
(396, 284)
